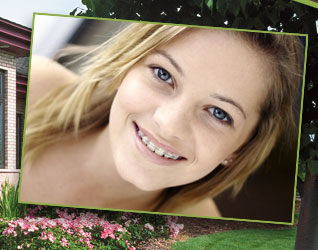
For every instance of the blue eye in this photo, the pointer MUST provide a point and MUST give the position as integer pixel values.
(163, 75)
(220, 114)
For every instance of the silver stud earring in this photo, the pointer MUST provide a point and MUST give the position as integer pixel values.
(227, 161)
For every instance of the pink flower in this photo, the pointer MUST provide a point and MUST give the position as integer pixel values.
(21, 223)
(87, 241)
(175, 229)
(64, 242)
(12, 224)
(129, 247)
(107, 233)
(63, 222)
(127, 223)
(90, 246)
(32, 228)
(149, 226)
(51, 223)
(51, 237)
(9, 230)
(70, 224)
(43, 236)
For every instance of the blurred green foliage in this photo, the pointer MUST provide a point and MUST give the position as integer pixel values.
(9, 206)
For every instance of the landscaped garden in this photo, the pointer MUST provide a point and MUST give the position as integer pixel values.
(43, 227)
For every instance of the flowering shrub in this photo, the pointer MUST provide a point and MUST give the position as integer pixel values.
(83, 232)
(56, 228)
(174, 227)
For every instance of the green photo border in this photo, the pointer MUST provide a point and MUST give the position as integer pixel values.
(160, 213)
(308, 2)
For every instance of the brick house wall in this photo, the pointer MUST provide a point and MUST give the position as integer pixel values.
(14, 44)
(8, 66)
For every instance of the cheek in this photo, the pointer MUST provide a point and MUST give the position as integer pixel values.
(133, 95)
(212, 148)
(127, 98)
(208, 157)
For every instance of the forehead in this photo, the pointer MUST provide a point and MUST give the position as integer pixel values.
(226, 47)
(210, 44)
(222, 62)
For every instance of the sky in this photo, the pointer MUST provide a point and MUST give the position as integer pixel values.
(21, 11)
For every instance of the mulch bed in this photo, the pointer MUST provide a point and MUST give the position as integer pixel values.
(194, 227)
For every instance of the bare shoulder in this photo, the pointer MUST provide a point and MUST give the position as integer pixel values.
(46, 75)
(206, 207)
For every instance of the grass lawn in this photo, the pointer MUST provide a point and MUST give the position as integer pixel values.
(242, 239)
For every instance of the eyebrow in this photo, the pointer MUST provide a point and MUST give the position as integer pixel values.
(171, 60)
(229, 100)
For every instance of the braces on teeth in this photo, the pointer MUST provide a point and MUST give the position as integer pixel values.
(157, 150)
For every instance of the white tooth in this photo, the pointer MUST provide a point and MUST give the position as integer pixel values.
(167, 155)
(155, 149)
(140, 133)
(159, 151)
(151, 146)
(173, 156)
(145, 139)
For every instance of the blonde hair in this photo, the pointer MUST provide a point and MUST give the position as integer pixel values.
(85, 105)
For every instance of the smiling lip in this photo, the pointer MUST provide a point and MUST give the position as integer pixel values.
(151, 155)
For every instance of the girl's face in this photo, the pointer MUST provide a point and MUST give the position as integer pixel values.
(193, 101)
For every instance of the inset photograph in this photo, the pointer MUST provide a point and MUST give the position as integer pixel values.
(171, 119)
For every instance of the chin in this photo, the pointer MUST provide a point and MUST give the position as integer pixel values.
(140, 179)
(139, 174)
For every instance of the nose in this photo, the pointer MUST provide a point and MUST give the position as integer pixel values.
(173, 118)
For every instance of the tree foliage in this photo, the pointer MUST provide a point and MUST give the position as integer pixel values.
(277, 15)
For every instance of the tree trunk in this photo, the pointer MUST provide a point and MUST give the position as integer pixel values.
(300, 187)
(307, 229)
